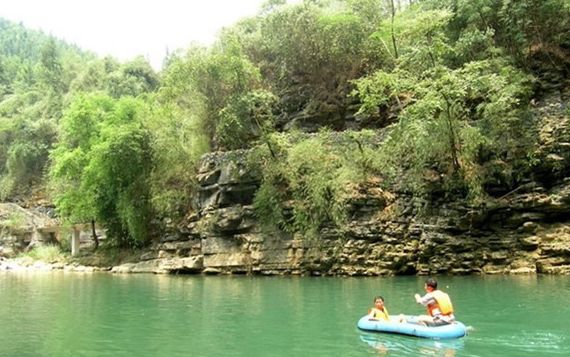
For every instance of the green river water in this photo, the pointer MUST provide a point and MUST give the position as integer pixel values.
(73, 314)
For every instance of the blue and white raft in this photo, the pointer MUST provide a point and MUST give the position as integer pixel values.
(412, 328)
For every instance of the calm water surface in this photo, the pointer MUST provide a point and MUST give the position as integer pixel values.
(59, 314)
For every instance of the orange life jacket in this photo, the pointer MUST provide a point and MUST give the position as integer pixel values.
(442, 304)
(379, 314)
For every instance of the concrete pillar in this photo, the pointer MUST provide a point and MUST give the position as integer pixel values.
(75, 242)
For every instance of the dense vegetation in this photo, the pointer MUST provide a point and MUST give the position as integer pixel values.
(417, 96)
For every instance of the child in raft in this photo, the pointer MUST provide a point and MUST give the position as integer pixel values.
(380, 312)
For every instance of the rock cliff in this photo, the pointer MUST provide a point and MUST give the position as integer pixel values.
(526, 230)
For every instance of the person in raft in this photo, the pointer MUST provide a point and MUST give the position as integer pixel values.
(439, 307)
(379, 311)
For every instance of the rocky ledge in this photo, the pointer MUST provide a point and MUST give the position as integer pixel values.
(29, 265)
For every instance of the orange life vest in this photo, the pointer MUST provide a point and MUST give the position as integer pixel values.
(442, 304)
(379, 314)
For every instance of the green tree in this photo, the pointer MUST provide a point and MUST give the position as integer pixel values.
(455, 116)
(51, 69)
(458, 111)
(307, 180)
(36, 73)
(310, 53)
(523, 29)
(178, 141)
(221, 79)
(131, 79)
(246, 119)
(102, 164)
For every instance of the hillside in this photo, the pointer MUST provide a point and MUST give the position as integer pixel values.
(324, 122)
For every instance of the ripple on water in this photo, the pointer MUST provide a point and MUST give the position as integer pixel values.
(522, 342)
(410, 346)
(530, 341)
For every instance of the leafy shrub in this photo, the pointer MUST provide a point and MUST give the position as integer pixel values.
(47, 253)
(307, 186)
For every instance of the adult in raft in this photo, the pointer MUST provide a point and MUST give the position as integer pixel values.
(438, 303)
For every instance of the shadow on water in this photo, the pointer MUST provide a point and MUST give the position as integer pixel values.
(396, 345)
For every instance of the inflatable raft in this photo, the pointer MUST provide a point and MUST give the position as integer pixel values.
(411, 328)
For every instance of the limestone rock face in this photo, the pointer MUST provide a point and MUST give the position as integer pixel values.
(524, 233)
(520, 232)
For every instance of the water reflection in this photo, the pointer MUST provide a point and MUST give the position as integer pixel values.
(395, 345)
